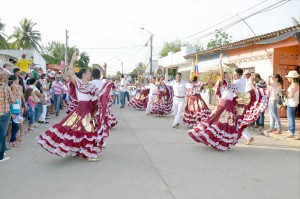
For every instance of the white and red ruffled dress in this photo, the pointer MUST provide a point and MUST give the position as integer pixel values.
(195, 107)
(224, 127)
(140, 101)
(163, 101)
(83, 130)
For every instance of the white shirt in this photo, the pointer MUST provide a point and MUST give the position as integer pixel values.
(179, 88)
(241, 84)
(98, 83)
(153, 89)
(123, 85)
(249, 85)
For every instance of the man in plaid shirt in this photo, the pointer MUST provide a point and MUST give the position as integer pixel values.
(6, 98)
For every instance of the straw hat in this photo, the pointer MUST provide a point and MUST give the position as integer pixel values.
(292, 74)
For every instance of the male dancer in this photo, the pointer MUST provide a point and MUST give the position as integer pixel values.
(152, 93)
(241, 83)
(179, 88)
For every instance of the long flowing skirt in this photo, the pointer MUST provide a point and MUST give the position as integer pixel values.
(223, 129)
(140, 101)
(75, 134)
(196, 110)
(163, 102)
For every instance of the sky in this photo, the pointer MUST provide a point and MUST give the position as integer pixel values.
(110, 30)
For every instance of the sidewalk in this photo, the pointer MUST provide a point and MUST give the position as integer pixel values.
(284, 124)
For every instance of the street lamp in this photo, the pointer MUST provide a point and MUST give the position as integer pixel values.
(151, 48)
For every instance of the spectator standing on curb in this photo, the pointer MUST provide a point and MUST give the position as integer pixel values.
(292, 101)
(57, 91)
(275, 86)
(6, 98)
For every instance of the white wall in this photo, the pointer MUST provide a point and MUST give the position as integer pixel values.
(177, 59)
(37, 58)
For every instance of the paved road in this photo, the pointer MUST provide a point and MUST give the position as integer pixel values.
(146, 158)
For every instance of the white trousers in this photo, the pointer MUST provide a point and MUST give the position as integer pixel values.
(150, 102)
(178, 105)
(246, 134)
(43, 115)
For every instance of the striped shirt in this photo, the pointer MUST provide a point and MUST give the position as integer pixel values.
(6, 98)
(57, 87)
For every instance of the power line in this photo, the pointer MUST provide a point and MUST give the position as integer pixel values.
(268, 8)
(224, 20)
(134, 54)
(111, 48)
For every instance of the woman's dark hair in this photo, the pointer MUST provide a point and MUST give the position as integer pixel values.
(179, 74)
(295, 80)
(31, 81)
(279, 78)
(43, 76)
(27, 93)
(256, 75)
(12, 77)
(81, 72)
(16, 70)
(195, 79)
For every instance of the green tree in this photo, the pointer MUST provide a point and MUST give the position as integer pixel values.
(139, 69)
(3, 42)
(25, 36)
(221, 38)
(54, 53)
(173, 46)
(118, 75)
(83, 60)
(295, 21)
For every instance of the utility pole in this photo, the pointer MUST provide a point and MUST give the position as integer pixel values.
(151, 48)
(66, 51)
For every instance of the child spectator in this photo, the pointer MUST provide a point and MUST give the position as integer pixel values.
(31, 101)
(15, 117)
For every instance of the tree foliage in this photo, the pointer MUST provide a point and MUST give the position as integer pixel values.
(54, 53)
(295, 21)
(25, 36)
(3, 42)
(139, 69)
(221, 38)
(173, 46)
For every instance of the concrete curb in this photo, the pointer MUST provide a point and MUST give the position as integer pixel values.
(289, 141)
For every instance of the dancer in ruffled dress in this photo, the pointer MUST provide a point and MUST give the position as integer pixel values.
(163, 101)
(223, 129)
(140, 101)
(82, 132)
(195, 107)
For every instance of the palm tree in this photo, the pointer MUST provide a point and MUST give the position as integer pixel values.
(25, 37)
(3, 43)
(295, 21)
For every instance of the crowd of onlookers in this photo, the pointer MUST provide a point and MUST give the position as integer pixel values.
(278, 97)
(28, 96)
